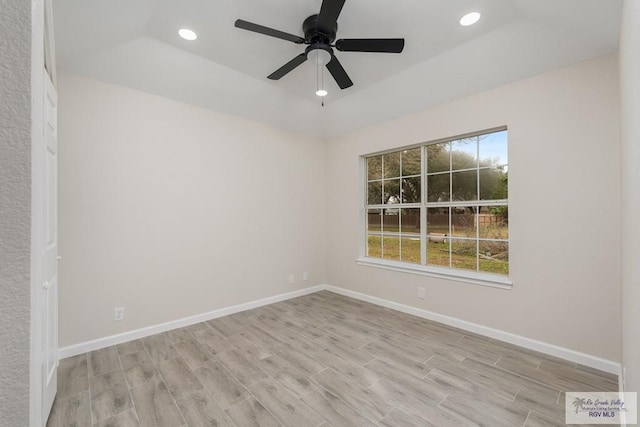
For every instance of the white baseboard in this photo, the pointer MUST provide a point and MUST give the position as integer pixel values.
(542, 347)
(99, 343)
(531, 344)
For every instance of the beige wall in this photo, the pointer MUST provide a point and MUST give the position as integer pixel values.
(564, 209)
(170, 210)
(630, 173)
(15, 211)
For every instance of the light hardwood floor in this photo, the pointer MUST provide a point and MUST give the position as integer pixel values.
(318, 360)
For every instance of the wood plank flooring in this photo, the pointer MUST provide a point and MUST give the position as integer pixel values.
(318, 360)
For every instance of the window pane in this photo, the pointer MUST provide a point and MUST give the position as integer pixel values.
(411, 249)
(494, 183)
(411, 190)
(438, 251)
(493, 149)
(410, 221)
(494, 257)
(463, 221)
(391, 221)
(456, 177)
(494, 222)
(374, 193)
(391, 248)
(374, 167)
(464, 153)
(391, 191)
(464, 185)
(438, 157)
(374, 220)
(438, 221)
(391, 165)
(438, 188)
(411, 162)
(464, 254)
(374, 246)
(437, 236)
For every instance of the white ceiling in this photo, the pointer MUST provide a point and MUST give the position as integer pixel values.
(135, 43)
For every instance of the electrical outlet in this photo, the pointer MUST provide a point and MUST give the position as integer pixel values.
(118, 313)
(292, 279)
(421, 293)
(305, 276)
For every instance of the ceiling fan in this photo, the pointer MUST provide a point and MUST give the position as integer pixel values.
(319, 34)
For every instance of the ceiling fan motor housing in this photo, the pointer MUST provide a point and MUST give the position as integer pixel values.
(314, 34)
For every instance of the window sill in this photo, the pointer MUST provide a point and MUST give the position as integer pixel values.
(483, 279)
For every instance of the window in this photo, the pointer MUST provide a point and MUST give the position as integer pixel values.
(441, 208)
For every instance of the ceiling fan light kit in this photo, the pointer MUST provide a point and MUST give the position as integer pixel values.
(320, 34)
(322, 56)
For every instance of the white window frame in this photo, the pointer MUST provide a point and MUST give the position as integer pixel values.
(459, 275)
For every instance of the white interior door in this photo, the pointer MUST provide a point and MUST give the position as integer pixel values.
(49, 308)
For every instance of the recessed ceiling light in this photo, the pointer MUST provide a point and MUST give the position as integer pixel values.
(469, 19)
(187, 34)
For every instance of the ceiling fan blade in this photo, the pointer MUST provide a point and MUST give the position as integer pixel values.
(370, 45)
(289, 66)
(329, 12)
(250, 26)
(338, 73)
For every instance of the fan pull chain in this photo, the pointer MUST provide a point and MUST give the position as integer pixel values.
(320, 81)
